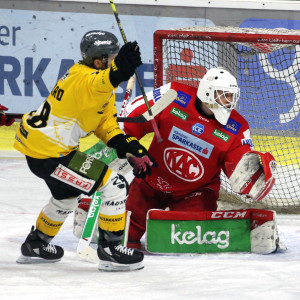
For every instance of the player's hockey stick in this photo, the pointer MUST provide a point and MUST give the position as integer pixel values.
(150, 111)
(128, 92)
(158, 107)
(90, 254)
(84, 250)
(126, 230)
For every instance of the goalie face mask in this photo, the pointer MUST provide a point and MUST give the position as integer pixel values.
(219, 90)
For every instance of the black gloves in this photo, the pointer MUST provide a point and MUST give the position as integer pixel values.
(124, 64)
(137, 155)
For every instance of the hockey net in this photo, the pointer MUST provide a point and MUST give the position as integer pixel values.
(266, 63)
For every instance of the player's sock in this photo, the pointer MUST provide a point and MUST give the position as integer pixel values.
(37, 249)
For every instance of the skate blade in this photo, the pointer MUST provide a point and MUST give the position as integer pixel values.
(35, 260)
(108, 266)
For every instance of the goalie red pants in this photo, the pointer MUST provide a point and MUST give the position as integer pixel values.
(143, 197)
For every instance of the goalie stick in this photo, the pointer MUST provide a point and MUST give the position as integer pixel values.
(159, 106)
(84, 249)
(150, 111)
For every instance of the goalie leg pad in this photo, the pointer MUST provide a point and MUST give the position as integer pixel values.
(246, 230)
(264, 238)
(198, 232)
(264, 233)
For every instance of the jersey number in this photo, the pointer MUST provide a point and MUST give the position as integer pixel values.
(40, 120)
(57, 93)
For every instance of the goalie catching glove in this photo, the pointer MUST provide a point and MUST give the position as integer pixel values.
(253, 176)
(137, 155)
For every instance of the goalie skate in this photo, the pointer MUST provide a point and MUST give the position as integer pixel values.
(117, 258)
(36, 251)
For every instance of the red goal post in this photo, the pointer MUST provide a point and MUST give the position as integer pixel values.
(266, 63)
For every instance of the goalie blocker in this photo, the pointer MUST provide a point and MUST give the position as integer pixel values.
(249, 230)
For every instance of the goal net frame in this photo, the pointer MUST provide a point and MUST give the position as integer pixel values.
(245, 44)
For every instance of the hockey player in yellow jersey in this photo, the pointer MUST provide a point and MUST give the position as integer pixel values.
(81, 103)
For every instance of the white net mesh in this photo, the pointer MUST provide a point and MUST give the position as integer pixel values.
(267, 68)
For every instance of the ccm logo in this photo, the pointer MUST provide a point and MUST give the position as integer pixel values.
(228, 214)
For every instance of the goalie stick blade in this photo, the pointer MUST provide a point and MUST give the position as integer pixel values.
(158, 107)
(89, 225)
(83, 244)
(89, 254)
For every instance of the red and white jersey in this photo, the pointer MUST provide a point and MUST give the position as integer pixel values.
(195, 147)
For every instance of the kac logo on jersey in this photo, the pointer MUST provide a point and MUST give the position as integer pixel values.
(183, 164)
(197, 129)
(182, 99)
(232, 126)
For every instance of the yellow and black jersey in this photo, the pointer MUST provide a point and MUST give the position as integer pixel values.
(82, 102)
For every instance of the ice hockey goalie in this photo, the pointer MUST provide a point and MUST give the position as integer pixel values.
(202, 135)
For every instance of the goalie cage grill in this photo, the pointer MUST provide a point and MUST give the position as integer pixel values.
(266, 63)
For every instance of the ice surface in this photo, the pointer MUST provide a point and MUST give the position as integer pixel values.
(207, 276)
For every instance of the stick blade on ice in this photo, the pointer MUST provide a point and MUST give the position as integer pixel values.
(89, 225)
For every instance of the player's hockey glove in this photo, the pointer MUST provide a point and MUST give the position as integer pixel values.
(5, 120)
(124, 64)
(137, 155)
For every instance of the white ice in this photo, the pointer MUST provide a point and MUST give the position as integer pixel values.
(206, 276)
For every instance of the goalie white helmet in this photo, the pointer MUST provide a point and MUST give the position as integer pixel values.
(219, 90)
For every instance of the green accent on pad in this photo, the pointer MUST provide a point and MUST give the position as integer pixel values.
(209, 236)
(87, 165)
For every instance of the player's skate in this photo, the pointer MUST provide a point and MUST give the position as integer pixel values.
(115, 257)
(34, 250)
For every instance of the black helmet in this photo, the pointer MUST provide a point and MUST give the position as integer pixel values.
(96, 44)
